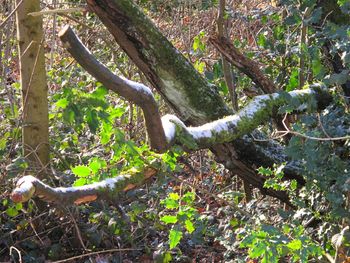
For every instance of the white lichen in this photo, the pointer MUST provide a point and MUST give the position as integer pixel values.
(138, 87)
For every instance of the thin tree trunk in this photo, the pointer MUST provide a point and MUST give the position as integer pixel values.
(228, 74)
(35, 135)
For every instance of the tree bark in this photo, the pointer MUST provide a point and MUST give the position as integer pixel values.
(35, 132)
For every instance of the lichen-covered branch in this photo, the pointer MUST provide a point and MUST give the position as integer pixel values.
(176, 132)
(29, 186)
(258, 111)
(133, 91)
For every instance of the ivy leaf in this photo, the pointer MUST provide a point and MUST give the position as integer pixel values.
(174, 238)
(81, 171)
(169, 219)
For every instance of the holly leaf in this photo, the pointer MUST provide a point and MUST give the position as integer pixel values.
(81, 171)
(174, 238)
(169, 219)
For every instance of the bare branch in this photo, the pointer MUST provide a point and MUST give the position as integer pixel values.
(244, 64)
(133, 91)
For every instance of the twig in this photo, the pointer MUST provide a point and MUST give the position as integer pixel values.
(135, 92)
(97, 253)
(18, 252)
(57, 11)
(321, 125)
(314, 138)
(8, 17)
(288, 131)
(77, 230)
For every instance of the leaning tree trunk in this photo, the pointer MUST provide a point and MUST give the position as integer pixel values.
(35, 132)
(192, 97)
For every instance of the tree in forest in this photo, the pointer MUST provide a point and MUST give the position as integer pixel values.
(313, 162)
(194, 100)
(35, 120)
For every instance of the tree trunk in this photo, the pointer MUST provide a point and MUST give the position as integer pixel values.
(35, 135)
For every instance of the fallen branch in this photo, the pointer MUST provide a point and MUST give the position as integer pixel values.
(29, 186)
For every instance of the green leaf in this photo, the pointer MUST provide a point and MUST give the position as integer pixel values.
(295, 244)
(62, 103)
(11, 211)
(99, 92)
(169, 219)
(106, 133)
(199, 66)
(174, 238)
(174, 196)
(3, 140)
(69, 115)
(189, 197)
(19, 206)
(80, 182)
(167, 257)
(261, 40)
(189, 226)
(293, 80)
(258, 250)
(81, 171)
(170, 203)
(96, 164)
(92, 120)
